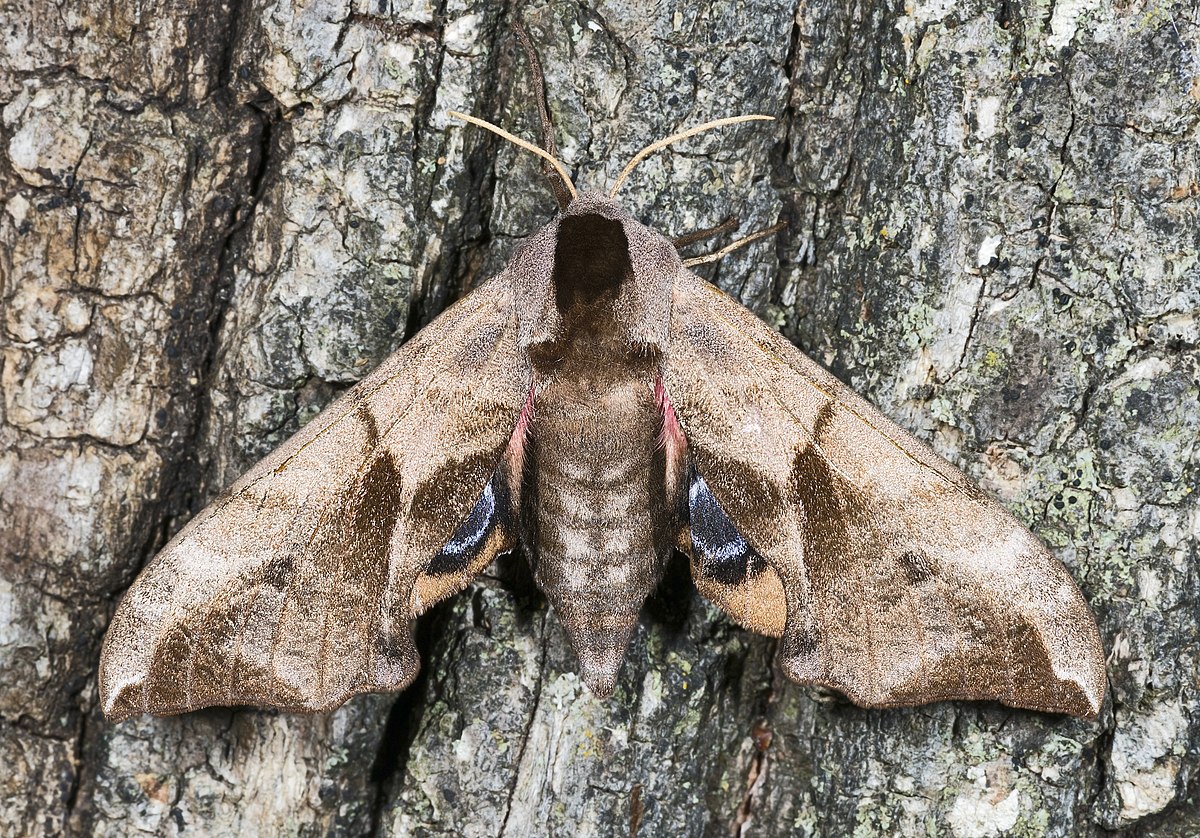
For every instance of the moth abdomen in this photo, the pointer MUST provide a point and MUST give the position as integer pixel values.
(598, 504)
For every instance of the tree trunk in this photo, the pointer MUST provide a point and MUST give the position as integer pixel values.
(216, 217)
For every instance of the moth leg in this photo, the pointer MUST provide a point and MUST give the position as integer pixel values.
(680, 242)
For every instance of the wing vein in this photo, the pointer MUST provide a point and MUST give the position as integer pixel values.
(832, 396)
(241, 636)
(467, 315)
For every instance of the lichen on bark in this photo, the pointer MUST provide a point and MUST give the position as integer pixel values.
(217, 216)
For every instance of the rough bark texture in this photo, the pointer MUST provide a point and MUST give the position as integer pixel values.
(216, 216)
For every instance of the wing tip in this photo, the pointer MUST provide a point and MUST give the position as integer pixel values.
(121, 704)
(1088, 693)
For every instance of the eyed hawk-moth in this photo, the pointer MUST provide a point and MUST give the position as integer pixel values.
(597, 405)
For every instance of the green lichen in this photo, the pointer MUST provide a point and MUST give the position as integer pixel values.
(918, 325)
(927, 48)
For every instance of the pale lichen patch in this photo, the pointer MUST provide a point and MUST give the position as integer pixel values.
(989, 807)
(1146, 753)
(48, 131)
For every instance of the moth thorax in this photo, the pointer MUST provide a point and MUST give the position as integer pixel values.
(591, 262)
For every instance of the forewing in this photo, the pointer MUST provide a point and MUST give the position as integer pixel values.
(297, 587)
(893, 578)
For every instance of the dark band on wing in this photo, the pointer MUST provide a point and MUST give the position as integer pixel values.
(493, 509)
(721, 552)
(278, 571)
(374, 519)
(820, 488)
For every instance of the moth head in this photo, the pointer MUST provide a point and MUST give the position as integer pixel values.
(595, 268)
(595, 271)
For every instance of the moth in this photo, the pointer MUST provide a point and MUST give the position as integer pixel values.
(598, 405)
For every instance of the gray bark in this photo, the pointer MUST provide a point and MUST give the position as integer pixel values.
(215, 217)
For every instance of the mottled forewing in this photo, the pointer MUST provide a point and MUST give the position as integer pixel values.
(894, 578)
(297, 587)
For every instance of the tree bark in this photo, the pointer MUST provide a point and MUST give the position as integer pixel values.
(218, 216)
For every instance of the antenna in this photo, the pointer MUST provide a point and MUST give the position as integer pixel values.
(528, 146)
(682, 135)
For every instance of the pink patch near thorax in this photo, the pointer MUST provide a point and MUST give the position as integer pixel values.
(671, 437)
(520, 435)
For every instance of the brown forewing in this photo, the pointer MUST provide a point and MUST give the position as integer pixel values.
(902, 582)
(294, 588)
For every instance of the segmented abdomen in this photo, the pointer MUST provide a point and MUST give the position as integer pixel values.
(598, 521)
